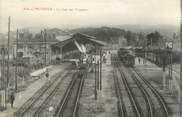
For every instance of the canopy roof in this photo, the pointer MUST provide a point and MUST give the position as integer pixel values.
(68, 44)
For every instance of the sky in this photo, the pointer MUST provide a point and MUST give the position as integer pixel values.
(73, 13)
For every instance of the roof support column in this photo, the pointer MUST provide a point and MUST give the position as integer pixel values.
(95, 69)
(61, 52)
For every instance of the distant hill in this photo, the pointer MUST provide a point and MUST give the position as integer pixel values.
(35, 30)
(57, 32)
(166, 30)
(106, 34)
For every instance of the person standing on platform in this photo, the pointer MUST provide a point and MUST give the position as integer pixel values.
(139, 60)
(47, 74)
(104, 59)
(12, 98)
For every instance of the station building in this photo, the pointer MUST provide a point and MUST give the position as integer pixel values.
(34, 51)
(78, 47)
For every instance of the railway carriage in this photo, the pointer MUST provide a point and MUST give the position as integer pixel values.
(129, 60)
(127, 57)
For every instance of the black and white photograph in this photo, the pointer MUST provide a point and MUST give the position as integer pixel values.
(90, 58)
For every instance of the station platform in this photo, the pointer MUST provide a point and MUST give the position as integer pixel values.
(23, 96)
(147, 65)
(141, 62)
(106, 103)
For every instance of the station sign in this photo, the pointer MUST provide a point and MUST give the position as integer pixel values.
(169, 45)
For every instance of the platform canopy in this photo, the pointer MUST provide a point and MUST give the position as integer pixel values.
(78, 39)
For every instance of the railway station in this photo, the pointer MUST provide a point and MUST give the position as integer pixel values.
(83, 78)
(90, 58)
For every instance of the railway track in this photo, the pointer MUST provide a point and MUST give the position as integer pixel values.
(155, 103)
(120, 103)
(121, 106)
(69, 105)
(55, 95)
(159, 97)
(148, 100)
(136, 108)
(40, 96)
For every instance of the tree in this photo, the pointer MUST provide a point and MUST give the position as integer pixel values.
(129, 37)
(141, 40)
(153, 38)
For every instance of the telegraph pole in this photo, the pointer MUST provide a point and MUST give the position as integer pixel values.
(169, 46)
(45, 39)
(42, 45)
(9, 23)
(181, 69)
(16, 60)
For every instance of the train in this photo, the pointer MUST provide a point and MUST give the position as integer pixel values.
(126, 56)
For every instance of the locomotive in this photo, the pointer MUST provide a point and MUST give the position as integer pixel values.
(127, 57)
